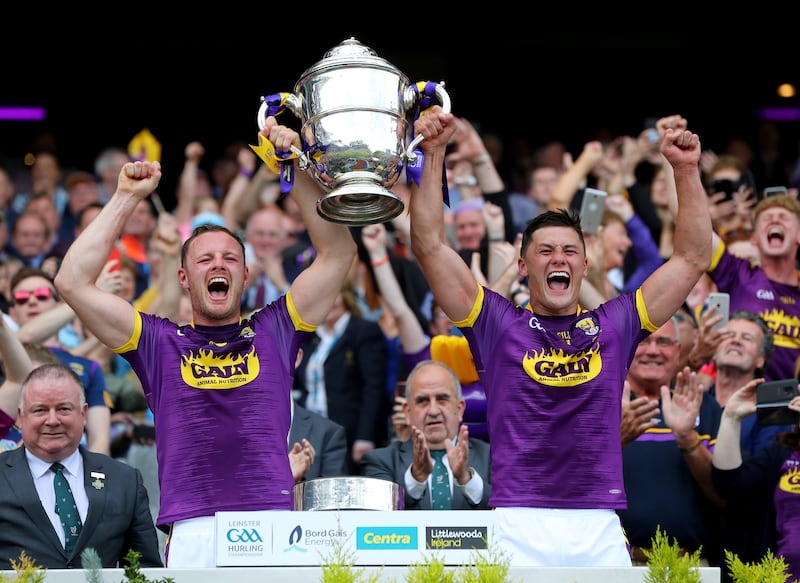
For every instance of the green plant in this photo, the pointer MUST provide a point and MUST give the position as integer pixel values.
(430, 570)
(770, 569)
(665, 563)
(133, 572)
(486, 567)
(27, 571)
(338, 566)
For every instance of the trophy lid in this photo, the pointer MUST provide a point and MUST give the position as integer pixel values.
(349, 53)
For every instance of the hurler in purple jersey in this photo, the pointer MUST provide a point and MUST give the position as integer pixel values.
(220, 387)
(553, 372)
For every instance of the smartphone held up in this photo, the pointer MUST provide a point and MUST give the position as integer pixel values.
(593, 206)
(772, 402)
(721, 302)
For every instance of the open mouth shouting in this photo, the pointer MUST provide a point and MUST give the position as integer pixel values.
(558, 280)
(218, 288)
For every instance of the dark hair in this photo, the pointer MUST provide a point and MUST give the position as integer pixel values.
(555, 218)
(202, 230)
(790, 439)
(27, 271)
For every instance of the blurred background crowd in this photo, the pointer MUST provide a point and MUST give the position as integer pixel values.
(552, 115)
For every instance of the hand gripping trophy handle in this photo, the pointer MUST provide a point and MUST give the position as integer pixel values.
(410, 97)
(288, 101)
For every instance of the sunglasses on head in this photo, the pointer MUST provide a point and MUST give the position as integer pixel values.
(40, 293)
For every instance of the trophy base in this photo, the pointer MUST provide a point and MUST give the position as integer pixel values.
(360, 203)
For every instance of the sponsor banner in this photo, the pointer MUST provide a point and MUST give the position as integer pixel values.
(364, 537)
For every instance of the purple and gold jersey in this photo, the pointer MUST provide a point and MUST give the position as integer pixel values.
(221, 399)
(778, 304)
(787, 511)
(554, 389)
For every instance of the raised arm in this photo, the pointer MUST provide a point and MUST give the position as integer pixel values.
(728, 450)
(317, 286)
(107, 315)
(16, 365)
(243, 196)
(451, 281)
(574, 177)
(412, 336)
(670, 284)
(45, 325)
(167, 244)
(187, 184)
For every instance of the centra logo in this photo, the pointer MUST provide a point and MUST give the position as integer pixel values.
(386, 537)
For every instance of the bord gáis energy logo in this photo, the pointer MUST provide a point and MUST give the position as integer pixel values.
(301, 539)
(372, 538)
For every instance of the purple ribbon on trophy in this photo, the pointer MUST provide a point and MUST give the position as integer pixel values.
(281, 162)
(426, 98)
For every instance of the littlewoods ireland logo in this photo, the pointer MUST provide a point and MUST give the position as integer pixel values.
(386, 537)
(456, 537)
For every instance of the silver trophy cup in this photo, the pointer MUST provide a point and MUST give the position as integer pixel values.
(355, 109)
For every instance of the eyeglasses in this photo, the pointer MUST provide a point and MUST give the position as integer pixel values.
(40, 293)
(661, 341)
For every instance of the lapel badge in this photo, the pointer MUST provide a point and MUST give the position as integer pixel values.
(98, 480)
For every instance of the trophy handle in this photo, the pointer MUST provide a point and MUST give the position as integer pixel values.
(444, 99)
(268, 107)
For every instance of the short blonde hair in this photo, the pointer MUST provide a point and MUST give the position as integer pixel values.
(782, 201)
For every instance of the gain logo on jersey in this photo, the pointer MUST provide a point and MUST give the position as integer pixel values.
(790, 482)
(785, 327)
(556, 368)
(206, 370)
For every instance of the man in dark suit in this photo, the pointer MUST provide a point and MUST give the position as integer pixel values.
(109, 496)
(318, 444)
(435, 410)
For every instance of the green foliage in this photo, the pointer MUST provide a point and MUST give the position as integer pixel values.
(431, 570)
(133, 572)
(338, 566)
(771, 569)
(665, 564)
(490, 566)
(27, 571)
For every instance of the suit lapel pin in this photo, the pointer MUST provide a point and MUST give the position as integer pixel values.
(98, 480)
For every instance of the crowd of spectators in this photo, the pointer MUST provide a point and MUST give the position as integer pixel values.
(385, 319)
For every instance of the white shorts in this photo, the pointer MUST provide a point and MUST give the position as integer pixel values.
(554, 537)
(191, 544)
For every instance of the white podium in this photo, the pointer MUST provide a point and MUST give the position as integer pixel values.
(378, 538)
